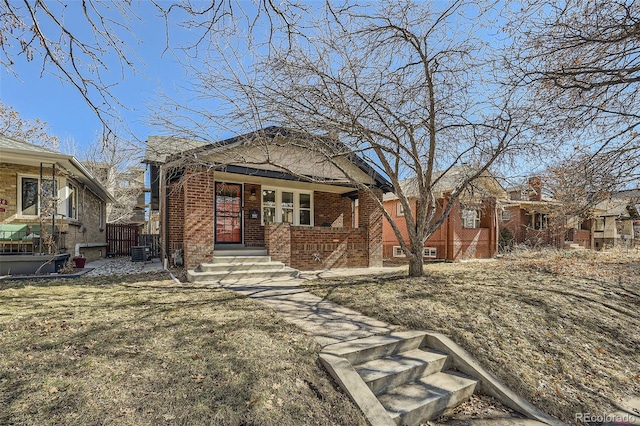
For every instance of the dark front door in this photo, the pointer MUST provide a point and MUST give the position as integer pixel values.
(228, 213)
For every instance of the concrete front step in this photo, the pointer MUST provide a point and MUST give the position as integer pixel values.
(386, 373)
(374, 347)
(240, 266)
(236, 258)
(573, 246)
(255, 274)
(427, 397)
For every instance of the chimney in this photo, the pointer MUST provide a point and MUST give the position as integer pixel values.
(536, 184)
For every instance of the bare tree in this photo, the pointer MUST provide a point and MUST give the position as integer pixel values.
(33, 131)
(92, 45)
(581, 58)
(115, 163)
(413, 89)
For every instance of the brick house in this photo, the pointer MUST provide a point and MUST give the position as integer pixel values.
(537, 220)
(616, 220)
(46, 194)
(269, 189)
(470, 230)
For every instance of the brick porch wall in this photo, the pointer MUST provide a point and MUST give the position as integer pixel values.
(277, 238)
(332, 210)
(370, 217)
(175, 206)
(311, 248)
(198, 217)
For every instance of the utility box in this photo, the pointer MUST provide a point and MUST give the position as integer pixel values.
(140, 253)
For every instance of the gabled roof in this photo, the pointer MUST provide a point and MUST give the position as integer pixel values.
(14, 151)
(7, 142)
(624, 204)
(161, 147)
(201, 150)
(447, 181)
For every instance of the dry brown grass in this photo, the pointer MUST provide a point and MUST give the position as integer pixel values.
(145, 351)
(562, 329)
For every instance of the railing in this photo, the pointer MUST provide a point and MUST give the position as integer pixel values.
(28, 239)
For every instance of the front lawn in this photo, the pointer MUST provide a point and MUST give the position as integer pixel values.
(562, 329)
(145, 350)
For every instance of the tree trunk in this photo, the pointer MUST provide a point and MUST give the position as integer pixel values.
(416, 265)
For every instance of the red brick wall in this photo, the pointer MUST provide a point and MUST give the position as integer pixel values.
(175, 208)
(582, 237)
(451, 240)
(371, 218)
(311, 248)
(322, 248)
(516, 224)
(332, 210)
(253, 230)
(278, 242)
(199, 194)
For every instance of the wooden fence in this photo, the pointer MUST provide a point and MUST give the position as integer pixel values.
(121, 237)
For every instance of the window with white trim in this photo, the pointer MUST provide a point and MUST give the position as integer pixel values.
(72, 201)
(506, 215)
(599, 225)
(470, 218)
(399, 209)
(287, 206)
(397, 252)
(32, 192)
(429, 252)
(29, 196)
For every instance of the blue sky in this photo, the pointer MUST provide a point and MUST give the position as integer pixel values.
(41, 95)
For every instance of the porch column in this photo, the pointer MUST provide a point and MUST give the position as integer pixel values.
(370, 217)
(199, 195)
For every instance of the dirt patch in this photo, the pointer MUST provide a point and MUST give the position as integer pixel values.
(143, 350)
(562, 329)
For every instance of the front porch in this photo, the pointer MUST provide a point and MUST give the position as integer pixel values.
(313, 232)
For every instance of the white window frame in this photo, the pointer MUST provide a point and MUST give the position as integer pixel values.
(19, 197)
(399, 209)
(466, 218)
(397, 252)
(505, 216)
(73, 194)
(430, 252)
(278, 205)
(61, 184)
(597, 221)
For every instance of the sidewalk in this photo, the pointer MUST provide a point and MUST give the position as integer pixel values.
(326, 321)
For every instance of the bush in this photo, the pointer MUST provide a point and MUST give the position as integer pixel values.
(505, 240)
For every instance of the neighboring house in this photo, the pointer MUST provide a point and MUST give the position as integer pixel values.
(270, 189)
(128, 189)
(470, 230)
(614, 218)
(537, 220)
(49, 202)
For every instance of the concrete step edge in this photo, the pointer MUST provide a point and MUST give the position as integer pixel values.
(428, 397)
(387, 373)
(369, 348)
(214, 267)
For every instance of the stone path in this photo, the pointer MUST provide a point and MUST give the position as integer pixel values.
(326, 321)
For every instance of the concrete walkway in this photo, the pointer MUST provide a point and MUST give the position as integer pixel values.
(326, 321)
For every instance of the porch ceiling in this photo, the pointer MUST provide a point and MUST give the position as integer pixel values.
(281, 183)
